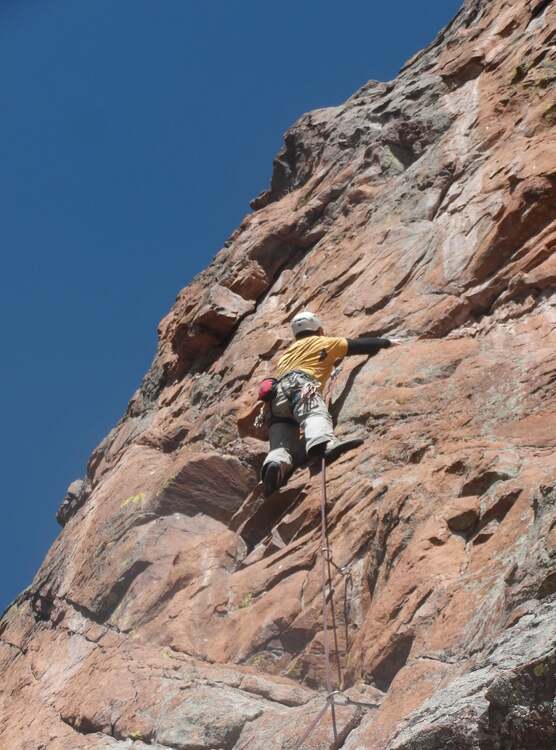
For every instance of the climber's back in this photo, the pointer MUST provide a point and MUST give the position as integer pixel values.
(314, 354)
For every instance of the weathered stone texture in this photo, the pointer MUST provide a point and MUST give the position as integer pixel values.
(177, 608)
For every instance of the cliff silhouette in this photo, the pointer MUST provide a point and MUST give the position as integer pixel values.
(178, 608)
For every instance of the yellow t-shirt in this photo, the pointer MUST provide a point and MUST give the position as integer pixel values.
(314, 355)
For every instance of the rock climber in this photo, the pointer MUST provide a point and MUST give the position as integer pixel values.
(295, 398)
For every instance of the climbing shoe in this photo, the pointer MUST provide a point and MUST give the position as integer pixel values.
(338, 447)
(317, 451)
(271, 478)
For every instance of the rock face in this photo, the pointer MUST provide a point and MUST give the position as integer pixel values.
(177, 609)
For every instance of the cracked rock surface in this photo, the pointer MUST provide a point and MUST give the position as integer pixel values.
(178, 608)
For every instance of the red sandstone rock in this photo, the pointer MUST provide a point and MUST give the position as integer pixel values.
(222, 310)
(463, 515)
(178, 607)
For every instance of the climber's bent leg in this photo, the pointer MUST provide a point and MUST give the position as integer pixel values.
(283, 433)
(279, 462)
(282, 437)
(314, 417)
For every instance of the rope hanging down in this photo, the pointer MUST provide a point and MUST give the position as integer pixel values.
(325, 568)
(328, 603)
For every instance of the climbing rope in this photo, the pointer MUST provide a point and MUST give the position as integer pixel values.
(325, 569)
(328, 601)
(328, 605)
(327, 552)
(327, 562)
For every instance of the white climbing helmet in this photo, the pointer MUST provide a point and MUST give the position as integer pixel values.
(305, 321)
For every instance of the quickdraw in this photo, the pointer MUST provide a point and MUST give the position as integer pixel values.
(308, 393)
(260, 418)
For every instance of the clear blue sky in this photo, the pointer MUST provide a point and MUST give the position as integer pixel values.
(132, 136)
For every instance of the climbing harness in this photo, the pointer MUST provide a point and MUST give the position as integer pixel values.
(303, 393)
(299, 388)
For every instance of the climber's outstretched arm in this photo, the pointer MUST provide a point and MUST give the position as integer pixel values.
(367, 345)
